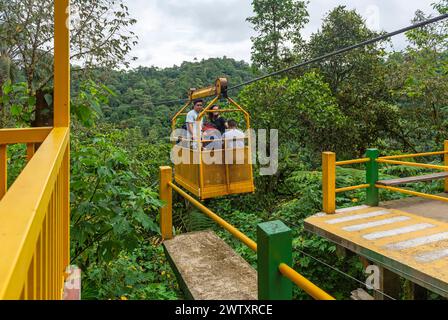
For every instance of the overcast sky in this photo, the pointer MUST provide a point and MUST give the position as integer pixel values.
(173, 31)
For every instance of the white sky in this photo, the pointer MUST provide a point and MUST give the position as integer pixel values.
(173, 31)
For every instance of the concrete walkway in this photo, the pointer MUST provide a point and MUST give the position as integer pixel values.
(433, 209)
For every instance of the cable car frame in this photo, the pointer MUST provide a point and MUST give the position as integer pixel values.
(205, 180)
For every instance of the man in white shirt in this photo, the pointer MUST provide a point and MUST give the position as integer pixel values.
(233, 137)
(194, 131)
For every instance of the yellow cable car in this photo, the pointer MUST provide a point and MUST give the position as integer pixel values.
(220, 171)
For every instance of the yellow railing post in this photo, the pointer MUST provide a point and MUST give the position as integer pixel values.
(30, 150)
(3, 170)
(166, 195)
(61, 63)
(329, 182)
(446, 164)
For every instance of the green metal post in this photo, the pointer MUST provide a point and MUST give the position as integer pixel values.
(372, 177)
(274, 247)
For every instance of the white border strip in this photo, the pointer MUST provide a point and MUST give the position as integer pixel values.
(358, 217)
(359, 227)
(396, 232)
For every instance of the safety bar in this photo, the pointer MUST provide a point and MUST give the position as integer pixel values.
(415, 155)
(413, 193)
(304, 283)
(414, 164)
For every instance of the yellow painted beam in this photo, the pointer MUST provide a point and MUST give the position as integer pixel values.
(26, 135)
(416, 155)
(3, 170)
(413, 164)
(23, 210)
(227, 226)
(303, 283)
(361, 186)
(65, 171)
(446, 163)
(178, 114)
(61, 63)
(349, 162)
(166, 195)
(204, 93)
(30, 150)
(329, 182)
(413, 193)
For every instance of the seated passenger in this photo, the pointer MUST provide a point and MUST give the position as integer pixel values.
(215, 118)
(233, 137)
(211, 137)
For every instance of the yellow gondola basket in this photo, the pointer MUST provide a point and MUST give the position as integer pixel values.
(214, 173)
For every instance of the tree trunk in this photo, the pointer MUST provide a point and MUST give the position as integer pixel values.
(44, 112)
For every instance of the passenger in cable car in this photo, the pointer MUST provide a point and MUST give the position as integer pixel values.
(217, 120)
(192, 123)
(234, 137)
(211, 136)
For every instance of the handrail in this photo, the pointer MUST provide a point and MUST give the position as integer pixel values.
(227, 226)
(25, 135)
(349, 162)
(166, 187)
(329, 189)
(34, 214)
(415, 155)
(413, 193)
(372, 161)
(303, 283)
(361, 186)
(413, 164)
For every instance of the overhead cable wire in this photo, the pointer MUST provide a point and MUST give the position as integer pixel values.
(330, 55)
(344, 50)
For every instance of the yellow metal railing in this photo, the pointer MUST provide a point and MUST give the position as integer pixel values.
(166, 227)
(329, 165)
(413, 164)
(29, 136)
(329, 189)
(34, 224)
(35, 211)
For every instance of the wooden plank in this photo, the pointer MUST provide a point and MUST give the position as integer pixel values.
(423, 178)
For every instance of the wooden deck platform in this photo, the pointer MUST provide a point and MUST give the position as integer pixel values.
(403, 236)
(208, 269)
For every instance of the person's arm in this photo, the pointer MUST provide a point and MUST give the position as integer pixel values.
(190, 121)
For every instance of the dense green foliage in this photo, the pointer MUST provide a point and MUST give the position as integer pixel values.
(140, 91)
